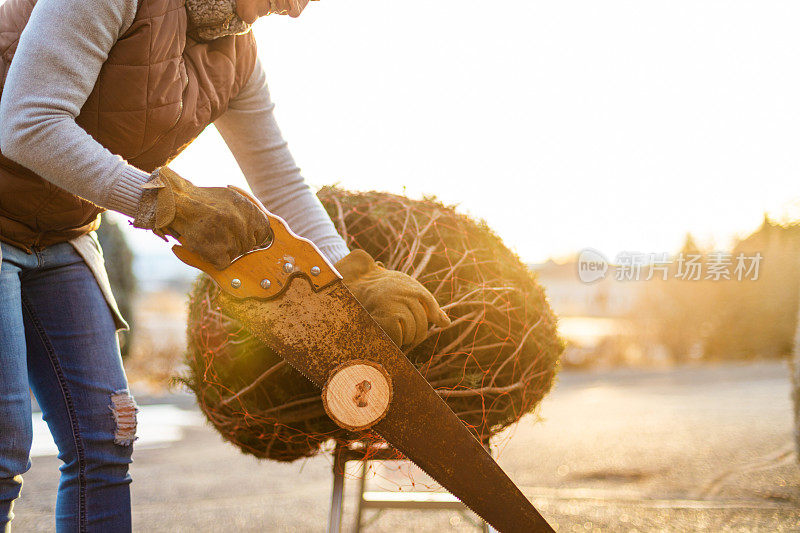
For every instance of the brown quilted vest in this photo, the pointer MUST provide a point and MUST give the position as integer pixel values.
(156, 92)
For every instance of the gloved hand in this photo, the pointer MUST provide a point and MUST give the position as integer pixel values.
(397, 302)
(218, 223)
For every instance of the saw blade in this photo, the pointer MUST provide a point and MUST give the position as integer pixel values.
(317, 331)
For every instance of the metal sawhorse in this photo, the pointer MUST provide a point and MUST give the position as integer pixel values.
(383, 500)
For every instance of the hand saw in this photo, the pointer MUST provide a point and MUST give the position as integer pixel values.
(292, 299)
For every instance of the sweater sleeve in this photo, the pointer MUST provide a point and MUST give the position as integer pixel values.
(252, 134)
(55, 68)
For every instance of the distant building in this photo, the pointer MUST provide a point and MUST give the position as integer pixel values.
(569, 296)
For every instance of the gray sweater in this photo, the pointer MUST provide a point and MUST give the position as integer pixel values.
(51, 78)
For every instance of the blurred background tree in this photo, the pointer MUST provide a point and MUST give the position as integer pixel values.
(119, 264)
(714, 319)
(795, 370)
(677, 313)
(758, 318)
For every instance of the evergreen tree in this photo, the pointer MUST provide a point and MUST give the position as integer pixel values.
(119, 264)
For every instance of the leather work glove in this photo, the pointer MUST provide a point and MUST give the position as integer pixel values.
(397, 302)
(217, 223)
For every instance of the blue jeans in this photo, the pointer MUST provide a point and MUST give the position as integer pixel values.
(57, 336)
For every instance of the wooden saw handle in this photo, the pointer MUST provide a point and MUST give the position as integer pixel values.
(266, 272)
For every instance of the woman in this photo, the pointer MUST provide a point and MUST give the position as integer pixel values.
(97, 97)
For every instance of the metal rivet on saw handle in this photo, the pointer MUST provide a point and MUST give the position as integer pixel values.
(315, 271)
(236, 283)
(265, 283)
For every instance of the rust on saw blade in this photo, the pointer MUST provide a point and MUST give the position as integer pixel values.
(318, 331)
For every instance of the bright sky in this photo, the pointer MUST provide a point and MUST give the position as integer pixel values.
(613, 125)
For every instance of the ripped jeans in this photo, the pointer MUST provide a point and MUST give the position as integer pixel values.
(57, 336)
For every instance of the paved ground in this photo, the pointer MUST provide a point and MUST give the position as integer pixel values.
(693, 449)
